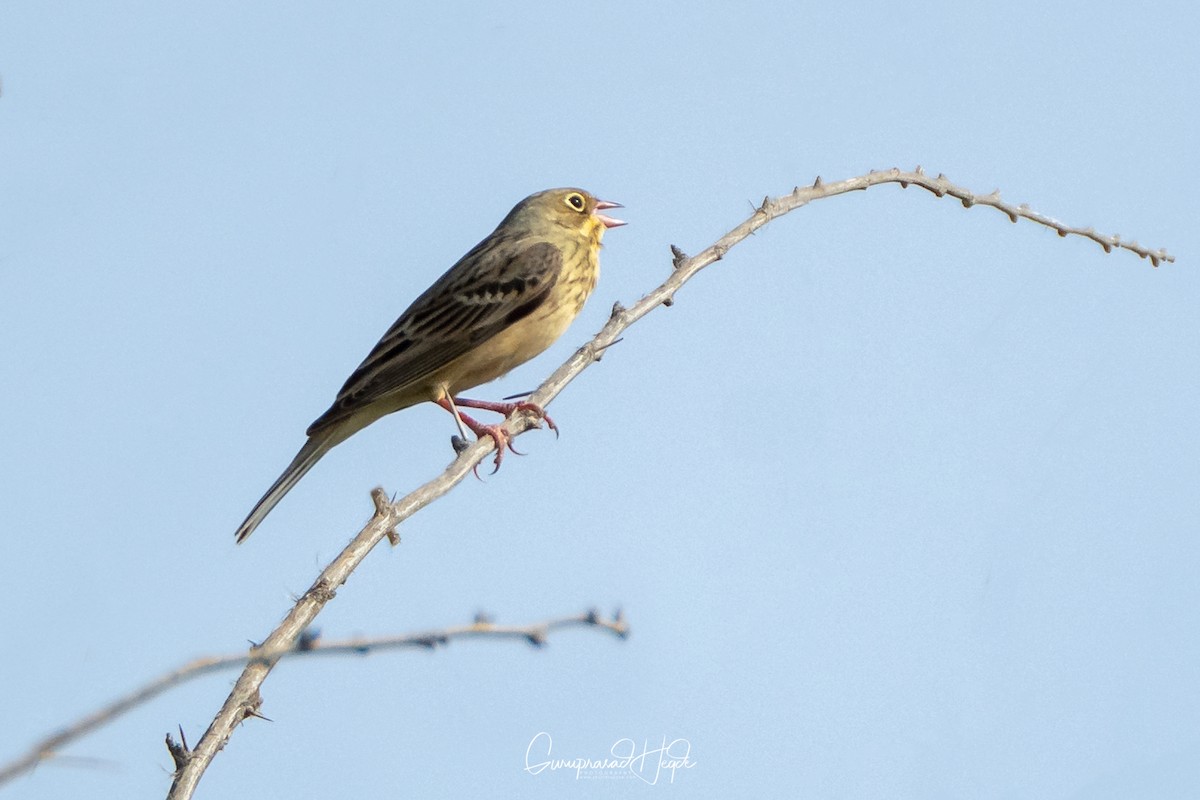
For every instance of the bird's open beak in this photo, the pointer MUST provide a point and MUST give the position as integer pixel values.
(609, 222)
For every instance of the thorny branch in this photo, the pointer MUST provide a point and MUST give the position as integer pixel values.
(307, 645)
(245, 700)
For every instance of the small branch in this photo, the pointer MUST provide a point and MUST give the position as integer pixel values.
(307, 645)
(941, 187)
(244, 699)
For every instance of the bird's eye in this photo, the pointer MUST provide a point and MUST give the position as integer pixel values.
(575, 200)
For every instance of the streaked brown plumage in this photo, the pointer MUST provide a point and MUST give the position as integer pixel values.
(500, 305)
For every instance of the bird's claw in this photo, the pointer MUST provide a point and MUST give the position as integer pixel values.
(503, 442)
(537, 411)
(500, 436)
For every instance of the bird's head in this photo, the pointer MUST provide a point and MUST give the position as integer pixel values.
(569, 208)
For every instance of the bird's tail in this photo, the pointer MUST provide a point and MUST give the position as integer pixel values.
(310, 454)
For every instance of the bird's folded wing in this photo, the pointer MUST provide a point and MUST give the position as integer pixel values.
(495, 285)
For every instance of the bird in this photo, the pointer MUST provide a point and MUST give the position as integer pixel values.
(504, 302)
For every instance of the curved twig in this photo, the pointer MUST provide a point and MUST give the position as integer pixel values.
(534, 633)
(244, 700)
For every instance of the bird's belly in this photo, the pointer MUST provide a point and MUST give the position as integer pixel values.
(516, 344)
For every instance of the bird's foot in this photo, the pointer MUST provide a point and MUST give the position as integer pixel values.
(508, 408)
(503, 442)
(500, 436)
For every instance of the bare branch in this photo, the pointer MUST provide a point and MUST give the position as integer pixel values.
(307, 645)
(244, 699)
(941, 187)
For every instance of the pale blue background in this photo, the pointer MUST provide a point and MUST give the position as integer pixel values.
(900, 499)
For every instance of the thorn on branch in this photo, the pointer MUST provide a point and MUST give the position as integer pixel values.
(181, 754)
(537, 637)
(818, 183)
(380, 499)
(619, 622)
(308, 639)
(383, 504)
(597, 351)
(602, 348)
(322, 592)
(678, 257)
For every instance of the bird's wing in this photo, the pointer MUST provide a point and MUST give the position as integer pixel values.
(496, 284)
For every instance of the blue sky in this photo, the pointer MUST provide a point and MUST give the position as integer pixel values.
(900, 499)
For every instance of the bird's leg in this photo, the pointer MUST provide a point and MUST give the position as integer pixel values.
(445, 402)
(497, 432)
(508, 408)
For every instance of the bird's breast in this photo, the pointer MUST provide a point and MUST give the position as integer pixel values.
(531, 335)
